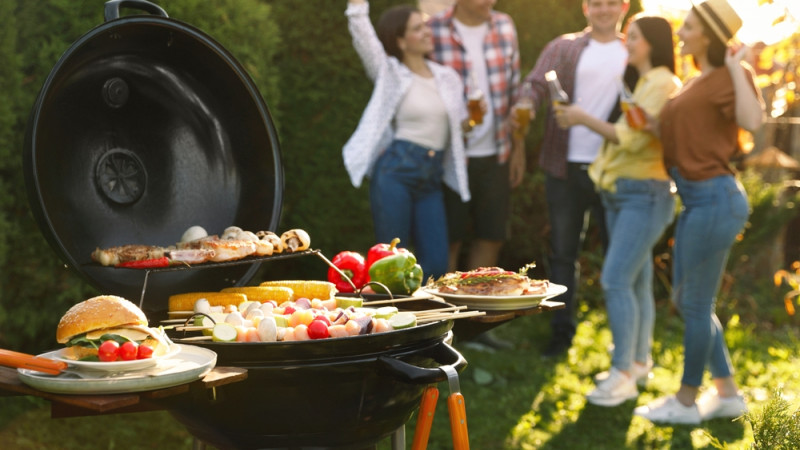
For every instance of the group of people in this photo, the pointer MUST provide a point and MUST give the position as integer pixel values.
(433, 171)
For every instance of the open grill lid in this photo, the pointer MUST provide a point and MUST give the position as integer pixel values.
(144, 127)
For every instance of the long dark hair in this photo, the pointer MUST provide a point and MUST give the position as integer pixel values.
(716, 48)
(658, 33)
(392, 25)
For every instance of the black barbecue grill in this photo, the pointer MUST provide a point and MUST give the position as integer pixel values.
(147, 126)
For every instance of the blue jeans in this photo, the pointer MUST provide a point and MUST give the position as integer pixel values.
(570, 202)
(407, 202)
(636, 216)
(714, 212)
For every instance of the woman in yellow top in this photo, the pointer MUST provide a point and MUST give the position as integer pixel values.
(636, 192)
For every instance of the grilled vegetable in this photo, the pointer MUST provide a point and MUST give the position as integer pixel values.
(295, 240)
(153, 263)
(186, 301)
(352, 265)
(379, 251)
(400, 273)
(309, 289)
(263, 294)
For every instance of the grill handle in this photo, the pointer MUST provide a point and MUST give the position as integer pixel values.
(111, 9)
(442, 353)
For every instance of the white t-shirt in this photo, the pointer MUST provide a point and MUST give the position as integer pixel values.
(421, 117)
(597, 75)
(481, 140)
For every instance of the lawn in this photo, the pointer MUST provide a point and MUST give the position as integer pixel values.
(515, 399)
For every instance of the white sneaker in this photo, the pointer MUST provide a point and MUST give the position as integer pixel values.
(711, 406)
(612, 391)
(639, 372)
(669, 410)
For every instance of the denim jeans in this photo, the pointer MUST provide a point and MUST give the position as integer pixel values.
(407, 202)
(636, 216)
(714, 212)
(570, 202)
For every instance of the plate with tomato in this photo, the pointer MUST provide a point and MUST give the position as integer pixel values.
(128, 357)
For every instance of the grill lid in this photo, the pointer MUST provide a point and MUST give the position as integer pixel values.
(144, 127)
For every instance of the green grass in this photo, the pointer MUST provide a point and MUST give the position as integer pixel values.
(530, 403)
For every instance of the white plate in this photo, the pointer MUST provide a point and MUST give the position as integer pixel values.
(113, 366)
(190, 363)
(500, 302)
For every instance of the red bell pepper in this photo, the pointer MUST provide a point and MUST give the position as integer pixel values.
(352, 264)
(379, 251)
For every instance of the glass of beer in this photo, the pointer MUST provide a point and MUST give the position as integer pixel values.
(523, 112)
(474, 98)
(634, 114)
(474, 107)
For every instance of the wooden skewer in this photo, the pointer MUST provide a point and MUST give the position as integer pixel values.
(438, 310)
(192, 328)
(448, 316)
(195, 338)
(173, 321)
(399, 300)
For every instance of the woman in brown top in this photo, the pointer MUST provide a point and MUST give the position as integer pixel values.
(699, 129)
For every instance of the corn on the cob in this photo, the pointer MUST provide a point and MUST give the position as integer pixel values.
(263, 293)
(309, 289)
(186, 301)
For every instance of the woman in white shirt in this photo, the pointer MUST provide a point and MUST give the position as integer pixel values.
(409, 138)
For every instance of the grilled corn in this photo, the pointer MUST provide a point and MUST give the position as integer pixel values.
(262, 294)
(309, 289)
(186, 301)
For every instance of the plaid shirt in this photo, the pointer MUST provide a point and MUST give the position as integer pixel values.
(561, 55)
(502, 65)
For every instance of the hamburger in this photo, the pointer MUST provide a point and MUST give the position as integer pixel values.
(489, 281)
(86, 325)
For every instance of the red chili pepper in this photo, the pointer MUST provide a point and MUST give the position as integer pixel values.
(380, 251)
(146, 263)
(352, 264)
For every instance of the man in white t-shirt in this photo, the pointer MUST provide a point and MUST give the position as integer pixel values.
(481, 44)
(589, 65)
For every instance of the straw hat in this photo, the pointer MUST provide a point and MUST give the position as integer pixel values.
(720, 16)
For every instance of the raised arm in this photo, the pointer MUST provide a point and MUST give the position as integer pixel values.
(365, 40)
(749, 106)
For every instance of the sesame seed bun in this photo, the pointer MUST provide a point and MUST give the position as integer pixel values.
(96, 313)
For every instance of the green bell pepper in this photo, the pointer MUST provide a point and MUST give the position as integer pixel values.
(399, 272)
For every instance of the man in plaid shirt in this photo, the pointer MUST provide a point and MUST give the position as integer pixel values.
(481, 45)
(589, 65)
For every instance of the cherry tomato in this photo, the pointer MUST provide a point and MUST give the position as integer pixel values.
(323, 318)
(128, 351)
(108, 351)
(144, 352)
(318, 330)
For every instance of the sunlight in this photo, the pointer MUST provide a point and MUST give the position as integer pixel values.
(768, 23)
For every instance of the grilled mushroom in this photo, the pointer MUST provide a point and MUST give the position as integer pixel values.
(274, 239)
(296, 240)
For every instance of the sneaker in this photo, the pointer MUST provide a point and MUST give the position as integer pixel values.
(639, 372)
(712, 406)
(615, 389)
(669, 410)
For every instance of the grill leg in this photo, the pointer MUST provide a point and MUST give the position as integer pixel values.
(399, 438)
